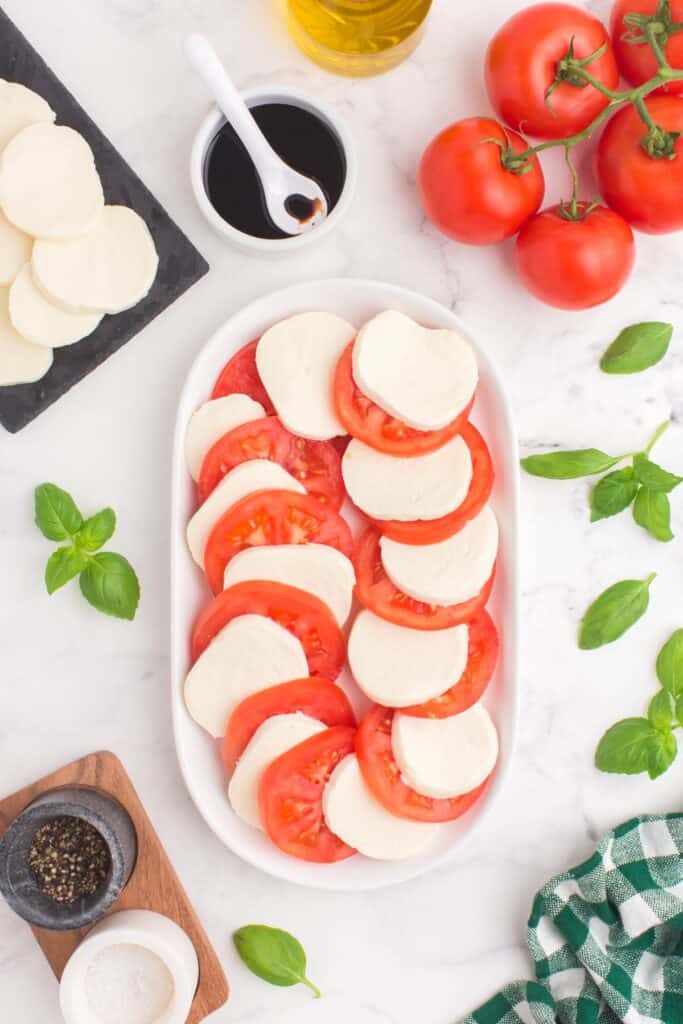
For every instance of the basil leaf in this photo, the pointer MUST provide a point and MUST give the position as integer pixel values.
(660, 712)
(670, 664)
(625, 747)
(613, 493)
(56, 514)
(613, 612)
(679, 710)
(569, 465)
(62, 565)
(652, 511)
(653, 476)
(273, 955)
(637, 348)
(663, 750)
(109, 583)
(97, 530)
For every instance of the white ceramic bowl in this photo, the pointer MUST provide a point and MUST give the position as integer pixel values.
(273, 246)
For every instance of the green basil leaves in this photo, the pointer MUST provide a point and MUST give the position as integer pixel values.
(637, 348)
(614, 612)
(273, 955)
(613, 493)
(570, 465)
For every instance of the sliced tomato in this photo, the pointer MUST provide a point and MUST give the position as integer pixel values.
(383, 775)
(240, 376)
(291, 793)
(434, 530)
(375, 591)
(319, 698)
(482, 656)
(315, 464)
(367, 422)
(272, 517)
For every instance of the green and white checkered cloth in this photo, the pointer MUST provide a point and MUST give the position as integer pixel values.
(606, 937)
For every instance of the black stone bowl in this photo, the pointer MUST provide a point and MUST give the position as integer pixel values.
(17, 882)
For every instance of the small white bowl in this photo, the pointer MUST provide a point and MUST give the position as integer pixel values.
(273, 246)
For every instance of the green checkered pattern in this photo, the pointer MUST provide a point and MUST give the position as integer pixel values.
(606, 937)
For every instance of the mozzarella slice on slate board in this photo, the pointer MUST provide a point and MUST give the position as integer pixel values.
(110, 268)
(20, 361)
(353, 814)
(321, 570)
(445, 757)
(249, 654)
(275, 736)
(19, 108)
(424, 377)
(255, 475)
(49, 186)
(296, 359)
(40, 321)
(449, 572)
(214, 419)
(406, 489)
(397, 666)
(15, 250)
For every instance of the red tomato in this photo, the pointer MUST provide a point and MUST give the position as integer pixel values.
(482, 655)
(272, 517)
(466, 189)
(367, 422)
(315, 464)
(303, 614)
(637, 61)
(240, 376)
(523, 60)
(383, 776)
(575, 264)
(646, 190)
(318, 698)
(290, 797)
(375, 591)
(431, 531)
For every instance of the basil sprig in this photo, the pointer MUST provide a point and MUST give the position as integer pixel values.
(637, 348)
(273, 955)
(614, 612)
(107, 580)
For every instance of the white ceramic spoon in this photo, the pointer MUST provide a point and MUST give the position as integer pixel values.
(281, 183)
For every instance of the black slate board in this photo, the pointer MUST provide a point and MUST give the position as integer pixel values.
(180, 265)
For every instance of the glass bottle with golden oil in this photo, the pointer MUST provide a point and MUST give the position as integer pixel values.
(357, 37)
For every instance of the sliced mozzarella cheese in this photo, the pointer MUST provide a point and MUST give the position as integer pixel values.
(19, 108)
(321, 570)
(40, 321)
(445, 757)
(249, 654)
(214, 419)
(424, 377)
(358, 819)
(110, 268)
(452, 571)
(421, 487)
(296, 359)
(20, 361)
(15, 250)
(255, 475)
(49, 186)
(275, 736)
(397, 667)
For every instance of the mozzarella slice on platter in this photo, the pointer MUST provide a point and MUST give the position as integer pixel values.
(321, 570)
(214, 419)
(110, 268)
(40, 321)
(49, 185)
(450, 572)
(296, 359)
(20, 361)
(249, 654)
(15, 250)
(397, 667)
(254, 475)
(406, 489)
(275, 736)
(358, 819)
(423, 377)
(19, 108)
(445, 757)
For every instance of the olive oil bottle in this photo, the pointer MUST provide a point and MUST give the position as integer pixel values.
(357, 37)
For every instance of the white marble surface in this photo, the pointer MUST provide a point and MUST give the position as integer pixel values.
(73, 681)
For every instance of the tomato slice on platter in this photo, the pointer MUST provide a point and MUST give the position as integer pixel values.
(272, 517)
(303, 614)
(366, 421)
(375, 591)
(315, 464)
(291, 792)
(240, 376)
(434, 530)
(317, 697)
(383, 775)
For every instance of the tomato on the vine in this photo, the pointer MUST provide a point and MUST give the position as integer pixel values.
(635, 56)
